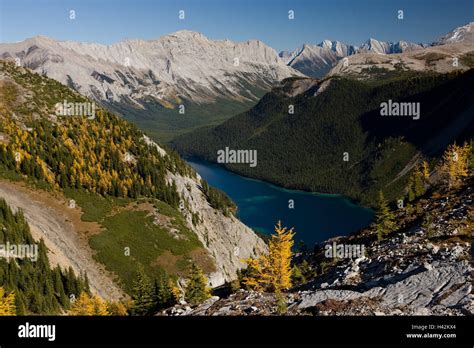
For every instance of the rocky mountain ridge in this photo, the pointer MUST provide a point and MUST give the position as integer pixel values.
(180, 66)
(452, 52)
(460, 34)
(318, 60)
(166, 86)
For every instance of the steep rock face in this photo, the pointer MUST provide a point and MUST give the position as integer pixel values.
(184, 64)
(228, 241)
(381, 47)
(317, 60)
(314, 60)
(341, 49)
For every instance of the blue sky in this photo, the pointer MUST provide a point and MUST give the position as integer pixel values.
(350, 21)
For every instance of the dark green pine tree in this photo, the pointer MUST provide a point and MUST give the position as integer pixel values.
(163, 295)
(418, 184)
(35, 300)
(44, 279)
(86, 285)
(197, 290)
(142, 294)
(384, 219)
(59, 288)
(411, 191)
(70, 283)
(20, 303)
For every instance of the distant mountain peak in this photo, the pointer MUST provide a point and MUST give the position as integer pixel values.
(459, 34)
(327, 44)
(186, 34)
(317, 60)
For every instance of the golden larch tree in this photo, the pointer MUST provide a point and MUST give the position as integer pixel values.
(254, 274)
(425, 170)
(117, 308)
(454, 164)
(89, 305)
(7, 303)
(272, 272)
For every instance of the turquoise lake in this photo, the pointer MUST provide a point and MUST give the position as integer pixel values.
(315, 217)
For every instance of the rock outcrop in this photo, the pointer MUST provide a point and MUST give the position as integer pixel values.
(228, 241)
(424, 269)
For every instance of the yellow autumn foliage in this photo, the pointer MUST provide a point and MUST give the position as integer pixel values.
(117, 308)
(454, 165)
(425, 170)
(7, 303)
(272, 272)
(89, 305)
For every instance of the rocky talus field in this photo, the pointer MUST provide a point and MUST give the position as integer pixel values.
(425, 268)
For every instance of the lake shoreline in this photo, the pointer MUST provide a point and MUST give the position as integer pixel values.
(260, 204)
(353, 200)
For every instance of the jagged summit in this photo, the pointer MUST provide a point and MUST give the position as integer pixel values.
(382, 47)
(318, 60)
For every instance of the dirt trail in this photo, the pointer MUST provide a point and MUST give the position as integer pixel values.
(64, 233)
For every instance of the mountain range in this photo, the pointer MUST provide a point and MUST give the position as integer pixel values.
(464, 33)
(181, 66)
(317, 60)
(340, 114)
(182, 81)
(184, 68)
